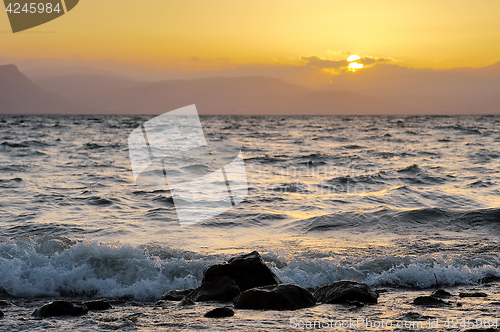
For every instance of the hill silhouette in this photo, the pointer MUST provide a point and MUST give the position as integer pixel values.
(19, 95)
(381, 89)
(231, 95)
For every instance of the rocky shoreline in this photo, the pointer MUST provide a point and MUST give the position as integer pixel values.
(246, 282)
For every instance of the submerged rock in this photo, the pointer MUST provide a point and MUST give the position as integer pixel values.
(97, 305)
(248, 271)
(356, 303)
(221, 289)
(176, 295)
(346, 291)
(185, 301)
(476, 294)
(429, 300)
(275, 297)
(441, 293)
(219, 313)
(61, 308)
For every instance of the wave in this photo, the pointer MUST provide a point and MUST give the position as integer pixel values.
(461, 129)
(55, 266)
(58, 266)
(14, 145)
(396, 271)
(401, 221)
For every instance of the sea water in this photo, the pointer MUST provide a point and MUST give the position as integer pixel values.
(402, 203)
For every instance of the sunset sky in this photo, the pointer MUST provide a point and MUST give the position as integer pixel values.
(197, 35)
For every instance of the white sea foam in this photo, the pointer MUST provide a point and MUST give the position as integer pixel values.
(58, 266)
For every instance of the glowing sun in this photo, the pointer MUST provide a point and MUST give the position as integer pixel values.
(354, 65)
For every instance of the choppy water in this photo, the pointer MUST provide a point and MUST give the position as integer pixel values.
(391, 201)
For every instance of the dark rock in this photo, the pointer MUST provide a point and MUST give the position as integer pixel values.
(489, 279)
(185, 301)
(429, 300)
(98, 305)
(476, 294)
(219, 313)
(1, 313)
(4, 303)
(248, 271)
(346, 290)
(491, 329)
(356, 303)
(495, 303)
(459, 304)
(275, 297)
(176, 295)
(61, 308)
(125, 298)
(441, 293)
(381, 291)
(222, 289)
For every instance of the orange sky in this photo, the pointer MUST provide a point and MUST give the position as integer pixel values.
(193, 35)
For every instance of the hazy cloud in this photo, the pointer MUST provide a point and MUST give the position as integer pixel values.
(339, 52)
(369, 60)
(314, 61)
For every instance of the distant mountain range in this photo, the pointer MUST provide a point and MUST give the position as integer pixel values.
(381, 89)
(19, 95)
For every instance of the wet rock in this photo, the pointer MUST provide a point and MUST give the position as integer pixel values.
(475, 294)
(176, 295)
(117, 302)
(97, 305)
(221, 289)
(344, 291)
(429, 300)
(4, 303)
(356, 303)
(1, 313)
(275, 297)
(415, 316)
(185, 301)
(219, 313)
(61, 308)
(441, 293)
(490, 278)
(248, 271)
